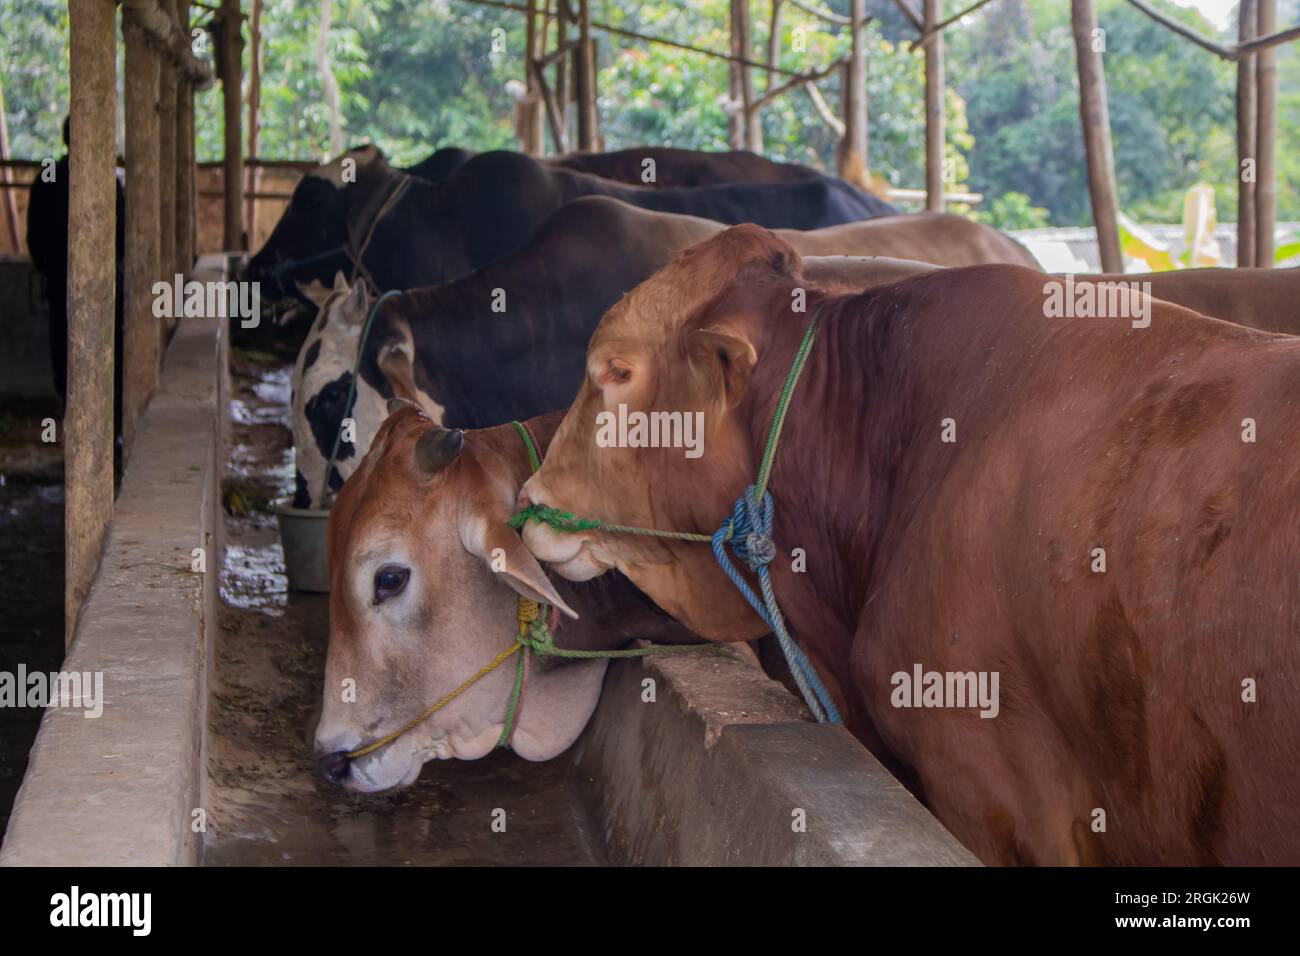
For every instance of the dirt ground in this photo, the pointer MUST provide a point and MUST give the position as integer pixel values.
(31, 574)
(266, 802)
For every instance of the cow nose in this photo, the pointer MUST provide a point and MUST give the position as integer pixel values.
(523, 502)
(334, 767)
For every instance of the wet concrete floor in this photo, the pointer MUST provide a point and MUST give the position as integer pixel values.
(266, 803)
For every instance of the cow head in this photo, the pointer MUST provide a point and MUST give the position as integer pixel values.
(424, 576)
(314, 223)
(685, 340)
(323, 376)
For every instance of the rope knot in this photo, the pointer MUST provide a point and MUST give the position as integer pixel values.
(749, 529)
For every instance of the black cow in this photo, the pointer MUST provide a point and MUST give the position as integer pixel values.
(670, 167)
(431, 233)
(509, 340)
(441, 164)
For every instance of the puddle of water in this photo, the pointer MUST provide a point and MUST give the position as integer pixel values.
(266, 803)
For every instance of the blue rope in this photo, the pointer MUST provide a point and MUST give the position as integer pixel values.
(749, 531)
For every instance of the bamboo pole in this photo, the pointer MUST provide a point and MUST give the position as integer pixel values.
(168, 81)
(92, 207)
(585, 69)
(563, 75)
(232, 49)
(773, 45)
(751, 130)
(531, 140)
(934, 111)
(853, 96)
(1265, 137)
(253, 173)
(1247, 170)
(1095, 116)
(185, 168)
(140, 339)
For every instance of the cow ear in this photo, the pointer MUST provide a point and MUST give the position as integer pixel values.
(313, 292)
(505, 554)
(726, 355)
(398, 368)
(355, 306)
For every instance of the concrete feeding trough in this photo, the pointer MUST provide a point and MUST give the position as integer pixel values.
(302, 536)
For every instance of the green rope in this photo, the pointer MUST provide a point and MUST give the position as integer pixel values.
(512, 705)
(778, 421)
(565, 521)
(541, 641)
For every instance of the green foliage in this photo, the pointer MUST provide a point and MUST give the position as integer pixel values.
(417, 74)
(1013, 211)
(1171, 110)
(34, 70)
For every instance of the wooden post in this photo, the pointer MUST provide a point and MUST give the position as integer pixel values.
(563, 75)
(736, 118)
(140, 340)
(751, 129)
(1247, 168)
(531, 140)
(185, 165)
(168, 80)
(92, 214)
(934, 112)
(9, 200)
(1265, 137)
(252, 172)
(1095, 115)
(773, 44)
(232, 49)
(586, 77)
(853, 148)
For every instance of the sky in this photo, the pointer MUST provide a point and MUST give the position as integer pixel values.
(1218, 12)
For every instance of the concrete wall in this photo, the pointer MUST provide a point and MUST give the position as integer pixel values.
(121, 789)
(718, 769)
(25, 370)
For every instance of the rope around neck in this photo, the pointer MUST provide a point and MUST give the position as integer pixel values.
(534, 637)
(749, 532)
(281, 268)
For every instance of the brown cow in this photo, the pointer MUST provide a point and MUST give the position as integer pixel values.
(424, 575)
(1258, 298)
(1104, 518)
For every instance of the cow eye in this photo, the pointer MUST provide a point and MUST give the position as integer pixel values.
(389, 582)
(617, 372)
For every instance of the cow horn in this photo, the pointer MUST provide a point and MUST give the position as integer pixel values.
(397, 403)
(437, 448)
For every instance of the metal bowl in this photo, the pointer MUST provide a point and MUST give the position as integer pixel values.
(302, 536)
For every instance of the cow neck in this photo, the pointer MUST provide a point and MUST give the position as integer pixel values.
(475, 397)
(837, 480)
